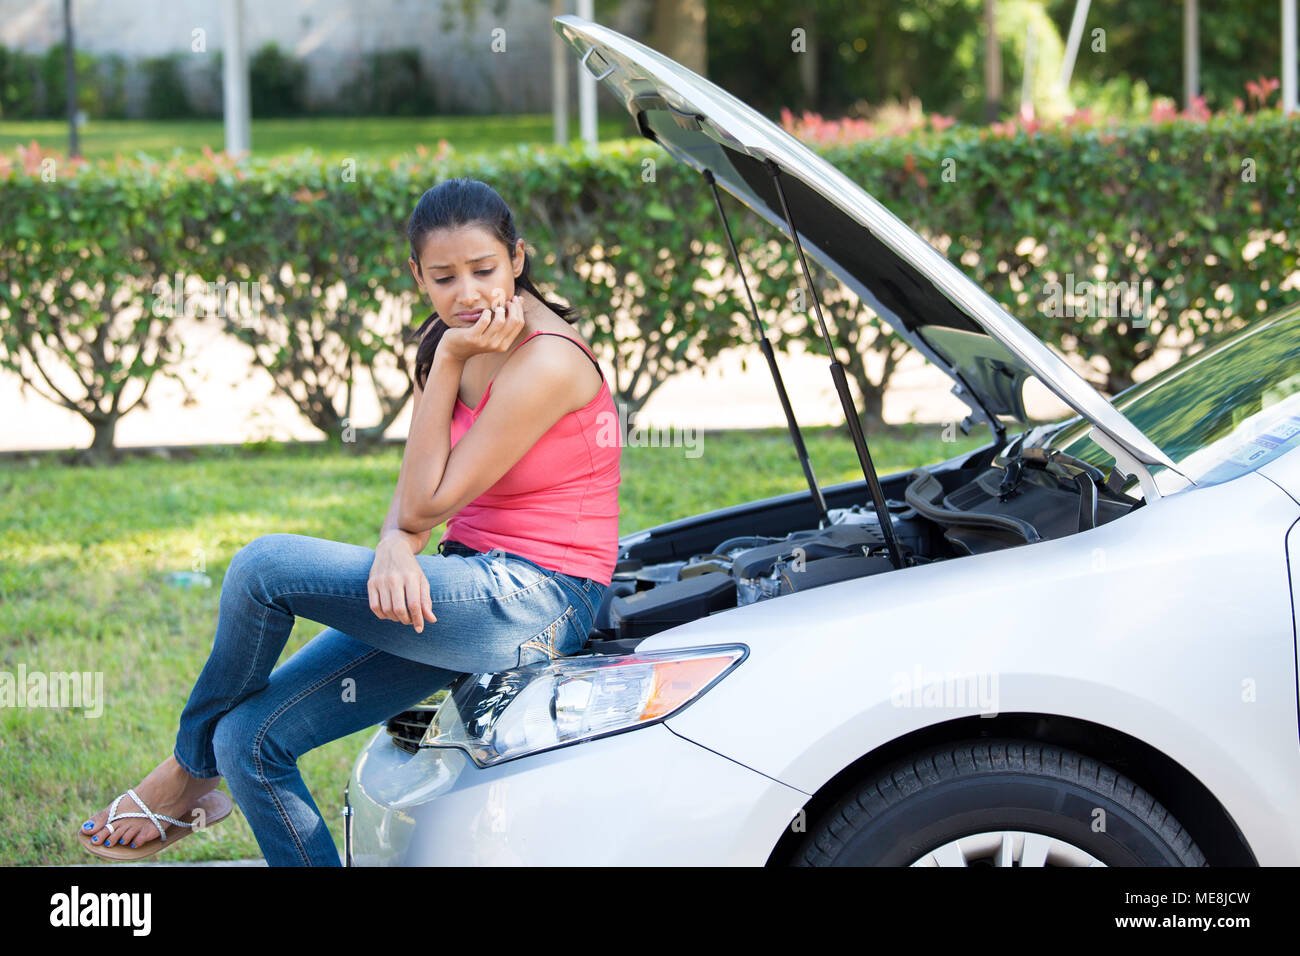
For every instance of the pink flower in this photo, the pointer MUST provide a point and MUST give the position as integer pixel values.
(1197, 109)
(1163, 110)
(1262, 89)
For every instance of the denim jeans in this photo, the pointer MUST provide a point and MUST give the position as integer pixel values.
(249, 724)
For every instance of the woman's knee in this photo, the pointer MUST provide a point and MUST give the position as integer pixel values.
(263, 554)
(232, 743)
(245, 745)
(261, 548)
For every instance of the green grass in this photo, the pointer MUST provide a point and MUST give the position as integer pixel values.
(83, 553)
(332, 137)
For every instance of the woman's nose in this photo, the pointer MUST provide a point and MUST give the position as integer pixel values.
(466, 297)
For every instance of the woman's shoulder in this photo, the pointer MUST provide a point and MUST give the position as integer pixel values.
(546, 320)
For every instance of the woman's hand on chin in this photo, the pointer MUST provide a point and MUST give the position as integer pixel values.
(495, 331)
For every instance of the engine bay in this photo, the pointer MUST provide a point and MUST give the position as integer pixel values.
(987, 503)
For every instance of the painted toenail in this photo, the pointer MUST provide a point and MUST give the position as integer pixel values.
(88, 825)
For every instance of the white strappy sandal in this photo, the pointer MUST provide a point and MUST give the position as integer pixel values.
(215, 807)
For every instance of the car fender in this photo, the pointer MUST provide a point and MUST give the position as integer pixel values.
(1172, 624)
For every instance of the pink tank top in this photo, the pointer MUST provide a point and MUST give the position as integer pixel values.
(558, 505)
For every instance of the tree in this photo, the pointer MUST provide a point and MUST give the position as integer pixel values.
(678, 29)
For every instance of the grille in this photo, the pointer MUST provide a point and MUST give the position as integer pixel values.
(408, 727)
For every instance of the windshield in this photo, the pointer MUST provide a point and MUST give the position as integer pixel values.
(1218, 415)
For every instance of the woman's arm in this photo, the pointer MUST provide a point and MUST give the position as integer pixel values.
(417, 542)
(428, 445)
(532, 391)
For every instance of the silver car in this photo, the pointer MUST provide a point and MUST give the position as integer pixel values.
(1075, 646)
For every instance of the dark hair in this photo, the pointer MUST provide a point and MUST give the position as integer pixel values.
(464, 202)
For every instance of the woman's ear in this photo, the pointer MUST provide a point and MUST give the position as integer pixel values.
(415, 272)
(518, 259)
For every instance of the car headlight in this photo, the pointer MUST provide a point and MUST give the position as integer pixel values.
(507, 714)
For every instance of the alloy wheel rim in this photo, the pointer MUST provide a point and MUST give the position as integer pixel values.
(1008, 848)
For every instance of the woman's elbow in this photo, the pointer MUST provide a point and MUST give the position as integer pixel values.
(413, 517)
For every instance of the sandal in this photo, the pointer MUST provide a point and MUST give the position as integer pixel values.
(216, 806)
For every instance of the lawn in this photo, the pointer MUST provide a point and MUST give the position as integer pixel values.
(83, 554)
(333, 137)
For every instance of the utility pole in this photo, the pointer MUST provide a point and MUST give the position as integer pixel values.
(559, 80)
(1288, 57)
(235, 100)
(587, 86)
(1191, 53)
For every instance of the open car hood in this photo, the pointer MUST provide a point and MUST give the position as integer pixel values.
(927, 300)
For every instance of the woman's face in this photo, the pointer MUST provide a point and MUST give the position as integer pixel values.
(461, 270)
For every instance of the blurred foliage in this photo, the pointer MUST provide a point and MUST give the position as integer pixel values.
(865, 50)
(1203, 210)
(165, 96)
(1239, 41)
(861, 54)
(871, 52)
(387, 83)
(34, 85)
(277, 82)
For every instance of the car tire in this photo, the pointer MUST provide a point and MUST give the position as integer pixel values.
(999, 803)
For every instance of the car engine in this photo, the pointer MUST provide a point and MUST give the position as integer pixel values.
(945, 514)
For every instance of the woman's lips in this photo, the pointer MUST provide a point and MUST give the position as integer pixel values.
(472, 314)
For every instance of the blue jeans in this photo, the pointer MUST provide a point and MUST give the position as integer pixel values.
(242, 721)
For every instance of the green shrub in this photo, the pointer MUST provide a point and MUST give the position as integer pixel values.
(19, 84)
(165, 95)
(276, 82)
(395, 83)
(1170, 203)
(54, 76)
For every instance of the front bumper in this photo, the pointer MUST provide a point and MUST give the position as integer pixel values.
(644, 797)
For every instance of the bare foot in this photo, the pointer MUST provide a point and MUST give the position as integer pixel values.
(168, 790)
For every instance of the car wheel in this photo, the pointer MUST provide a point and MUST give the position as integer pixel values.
(998, 803)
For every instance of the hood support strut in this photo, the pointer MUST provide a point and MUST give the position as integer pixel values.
(818, 499)
(842, 387)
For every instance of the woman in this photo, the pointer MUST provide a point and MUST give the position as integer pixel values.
(503, 446)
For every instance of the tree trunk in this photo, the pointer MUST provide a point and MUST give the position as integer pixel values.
(809, 67)
(992, 64)
(872, 409)
(101, 448)
(678, 30)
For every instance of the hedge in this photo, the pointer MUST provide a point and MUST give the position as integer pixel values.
(1204, 210)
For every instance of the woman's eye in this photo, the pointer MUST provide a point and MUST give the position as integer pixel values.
(481, 272)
